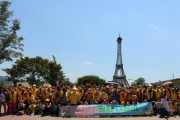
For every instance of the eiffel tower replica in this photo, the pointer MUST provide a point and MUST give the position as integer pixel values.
(119, 75)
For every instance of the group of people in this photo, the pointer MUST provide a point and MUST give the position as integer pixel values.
(47, 100)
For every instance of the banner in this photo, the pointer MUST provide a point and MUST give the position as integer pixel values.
(107, 110)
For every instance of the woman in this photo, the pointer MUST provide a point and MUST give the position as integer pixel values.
(2, 100)
(47, 107)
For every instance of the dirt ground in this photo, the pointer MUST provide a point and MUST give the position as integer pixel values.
(37, 117)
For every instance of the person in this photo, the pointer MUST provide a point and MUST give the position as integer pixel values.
(21, 108)
(13, 102)
(32, 109)
(2, 100)
(150, 93)
(47, 107)
(55, 109)
(30, 97)
(163, 108)
(88, 96)
(74, 96)
(34, 91)
(37, 109)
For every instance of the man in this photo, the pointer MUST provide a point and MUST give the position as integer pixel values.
(74, 96)
(34, 91)
(150, 93)
(31, 97)
(163, 107)
(157, 93)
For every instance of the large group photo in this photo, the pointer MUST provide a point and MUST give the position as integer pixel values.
(89, 60)
(91, 100)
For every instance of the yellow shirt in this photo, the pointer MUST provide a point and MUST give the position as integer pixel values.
(19, 92)
(81, 94)
(140, 94)
(32, 107)
(34, 92)
(174, 96)
(171, 106)
(74, 97)
(24, 97)
(157, 93)
(53, 95)
(149, 94)
(13, 96)
(122, 96)
(21, 105)
(99, 94)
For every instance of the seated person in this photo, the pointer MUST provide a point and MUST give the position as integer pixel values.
(21, 108)
(31, 109)
(47, 107)
(38, 107)
(163, 107)
(55, 109)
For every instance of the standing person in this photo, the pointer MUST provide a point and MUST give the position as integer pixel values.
(149, 93)
(31, 97)
(34, 91)
(88, 96)
(157, 94)
(139, 93)
(2, 100)
(13, 101)
(74, 96)
(25, 99)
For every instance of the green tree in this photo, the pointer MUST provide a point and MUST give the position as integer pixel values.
(176, 82)
(10, 43)
(54, 73)
(139, 81)
(90, 79)
(35, 71)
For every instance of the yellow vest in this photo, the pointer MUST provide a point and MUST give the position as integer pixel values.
(74, 97)
(32, 107)
(13, 96)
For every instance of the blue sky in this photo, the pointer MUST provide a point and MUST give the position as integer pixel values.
(82, 35)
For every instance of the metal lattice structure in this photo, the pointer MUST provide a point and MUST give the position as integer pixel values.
(119, 75)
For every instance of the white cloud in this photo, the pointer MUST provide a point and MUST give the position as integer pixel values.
(153, 27)
(88, 63)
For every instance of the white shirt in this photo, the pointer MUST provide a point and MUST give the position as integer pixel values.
(165, 104)
(2, 97)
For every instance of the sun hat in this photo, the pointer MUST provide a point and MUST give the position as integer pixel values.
(47, 100)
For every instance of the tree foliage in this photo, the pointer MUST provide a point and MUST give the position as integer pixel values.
(10, 43)
(139, 81)
(35, 71)
(90, 79)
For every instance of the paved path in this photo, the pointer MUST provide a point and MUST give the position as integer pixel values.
(37, 117)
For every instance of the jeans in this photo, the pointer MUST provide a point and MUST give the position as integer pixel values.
(4, 105)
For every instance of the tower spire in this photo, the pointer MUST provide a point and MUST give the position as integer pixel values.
(119, 75)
